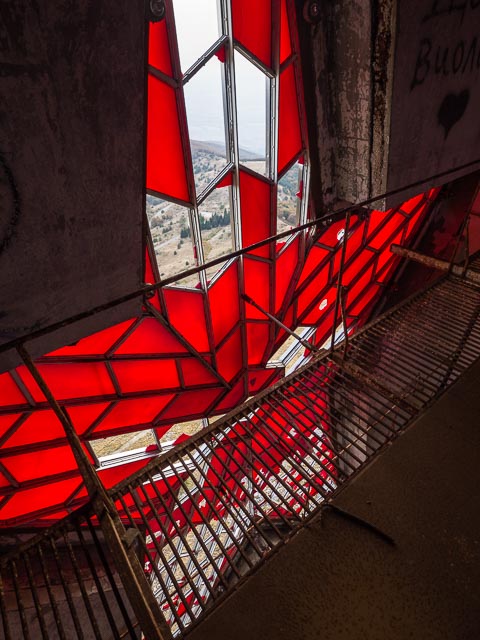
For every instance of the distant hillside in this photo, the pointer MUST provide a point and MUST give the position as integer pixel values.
(199, 146)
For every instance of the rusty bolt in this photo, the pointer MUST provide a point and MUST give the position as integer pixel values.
(157, 10)
(311, 11)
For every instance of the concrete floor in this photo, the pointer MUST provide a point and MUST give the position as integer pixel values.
(415, 573)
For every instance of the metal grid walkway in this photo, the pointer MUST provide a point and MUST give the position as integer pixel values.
(214, 507)
(207, 513)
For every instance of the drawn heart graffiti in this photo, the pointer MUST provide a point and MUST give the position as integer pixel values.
(452, 109)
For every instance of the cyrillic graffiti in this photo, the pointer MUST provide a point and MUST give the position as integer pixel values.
(445, 60)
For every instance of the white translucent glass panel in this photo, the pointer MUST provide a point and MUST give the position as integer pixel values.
(172, 239)
(206, 122)
(251, 89)
(197, 28)
(216, 227)
(288, 202)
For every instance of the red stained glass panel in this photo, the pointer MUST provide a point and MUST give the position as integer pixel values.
(257, 339)
(146, 375)
(38, 427)
(195, 372)
(257, 287)
(289, 135)
(229, 357)
(28, 466)
(285, 40)
(193, 403)
(80, 380)
(224, 302)
(158, 49)
(150, 336)
(285, 266)
(134, 412)
(255, 196)
(98, 343)
(252, 27)
(166, 171)
(186, 313)
(9, 392)
(51, 496)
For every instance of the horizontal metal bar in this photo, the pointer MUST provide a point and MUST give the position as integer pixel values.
(435, 263)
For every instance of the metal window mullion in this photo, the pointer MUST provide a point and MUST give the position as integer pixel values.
(170, 580)
(209, 528)
(243, 510)
(231, 121)
(288, 455)
(273, 92)
(305, 178)
(256, 62)
(253, 429)
(185, 138)
(222, 501)
(196, 237)
(279, 404)
(178, 503)
(324, 417)
(258, 489)
(206, 57)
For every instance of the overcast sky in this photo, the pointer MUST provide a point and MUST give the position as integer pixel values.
(197, 30)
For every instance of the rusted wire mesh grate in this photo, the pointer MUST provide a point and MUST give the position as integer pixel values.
(204, 515)
(213, 508)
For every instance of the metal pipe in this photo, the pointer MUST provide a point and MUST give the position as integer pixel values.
(436, 263)
(303, 342)
(127, 564)
(325, 219)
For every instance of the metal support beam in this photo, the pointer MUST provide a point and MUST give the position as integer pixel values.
(119, 542)
(339, 279)
(436, 263)
(307, 345)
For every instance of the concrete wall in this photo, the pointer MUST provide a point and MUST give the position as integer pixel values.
(397, 96)
(71, 163)
(435, 125)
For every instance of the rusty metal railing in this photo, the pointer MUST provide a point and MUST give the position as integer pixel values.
(213, 508)
(64, 584)
(201, 517)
